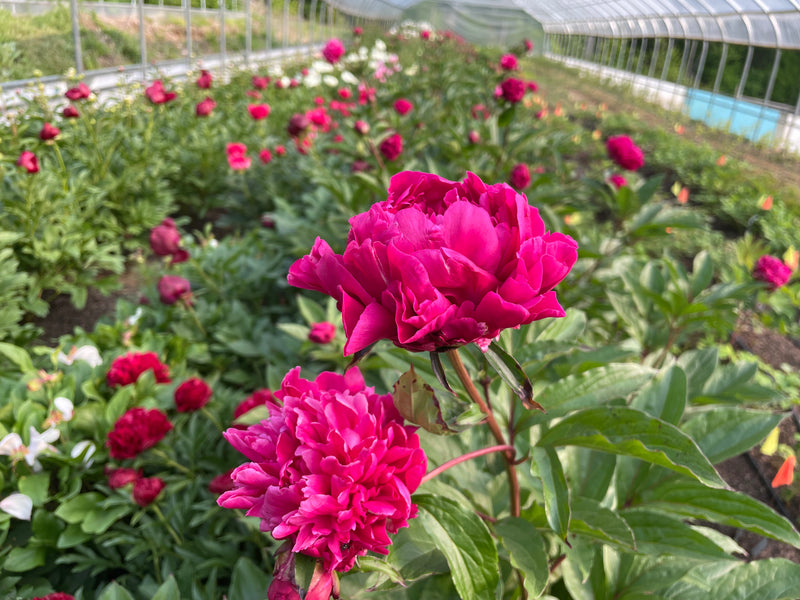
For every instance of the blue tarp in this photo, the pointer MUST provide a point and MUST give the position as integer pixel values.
(750, 120)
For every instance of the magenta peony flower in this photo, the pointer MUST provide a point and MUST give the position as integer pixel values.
(28, 161)
(392, 147)
(147, 489)
(205, 107)
(165, 239)
(258, 111)
(49, 132)
(127, 368)
(56, 596)
(440, 264)
(157, 94)
(402, 107)
(322, 333)
(520, 177)
(70, 112)
(333, 468)
(204, 81)
(260, 83)
(624, 152)
(512, 90)
(80, 92)
(772, 271)
(298, 123)
(474, 137)
(265, 156)
(136, 431)
(617, 180)
(260, 397)
(193, 394)
(333, 51)
(237, 156)
(508, 62)
(172, 288)
(121, 477)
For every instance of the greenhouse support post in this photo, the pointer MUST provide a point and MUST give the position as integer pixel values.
(285, 25)
(654, 58)
(701, 65)
(301, 34)
(745, 73)
(142, 40)
(248, 36)
(187, 17)
(222, 41)
(268, 41)
(76, 35)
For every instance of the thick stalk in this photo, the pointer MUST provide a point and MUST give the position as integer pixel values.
(469, 386)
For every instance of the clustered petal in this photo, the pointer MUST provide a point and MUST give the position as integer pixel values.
(440, 264)
(333, 468)
(127, 368)
(136, 431)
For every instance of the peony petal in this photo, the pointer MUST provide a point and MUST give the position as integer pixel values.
(17, 505)
(468, 230)
(365, 325)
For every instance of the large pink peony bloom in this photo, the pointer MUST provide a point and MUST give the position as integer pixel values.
(333, 468)
(440, 264)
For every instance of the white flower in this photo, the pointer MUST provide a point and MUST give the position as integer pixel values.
(88, 354)
(348, 77)
(17, 505)
(330, 80)
(312, 80)
(84, 446)
(64, 410)
(11, 445)
(380, 45)
(319, 66)
(285, 81)
(275, 70)
(132, 320)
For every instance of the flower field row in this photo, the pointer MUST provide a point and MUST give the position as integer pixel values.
(524, 395)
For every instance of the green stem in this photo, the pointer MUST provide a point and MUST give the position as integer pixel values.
(192, 312)
(210, 416)
(164, 522)
(175, 465)
(63, 166)
(469, 386)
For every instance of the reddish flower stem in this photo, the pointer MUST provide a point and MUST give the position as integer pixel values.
(511, 471)
(465, 457)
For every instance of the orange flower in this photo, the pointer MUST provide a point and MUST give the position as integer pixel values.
(597, 134)
(765, 202)
(785, 474)
(791, 259)
(680, 129)
(683, 195)
(722, 160)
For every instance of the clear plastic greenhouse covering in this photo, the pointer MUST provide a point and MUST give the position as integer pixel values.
(769, 23)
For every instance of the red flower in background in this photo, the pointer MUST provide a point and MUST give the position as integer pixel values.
(70, 112)
(298, 123)
(49, 132)
(361, 127)
(157, 94)
(772, 270)
(425, 34)
(392, 147)
(617, 180)
(528, 45)
(80, 92)
(237, 156)
(512, 90)
(402, 107)
(164, 238)
(357, 31)
(508, 62)
(474, 137)
(127, 368)
(520, 177)
(333, 51)
(28, 161)
(221, 483)
(265, 156)
(260, 83)
(479, 111)
(147, 489)
(258, 111)
(121, 477)
(258, 398)
(204, 81)
(172, 288)
(56, 596)
(136, 431)
(624, 152)
(322, 333)
(193, 394)
(280, 150)
(205, 107)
